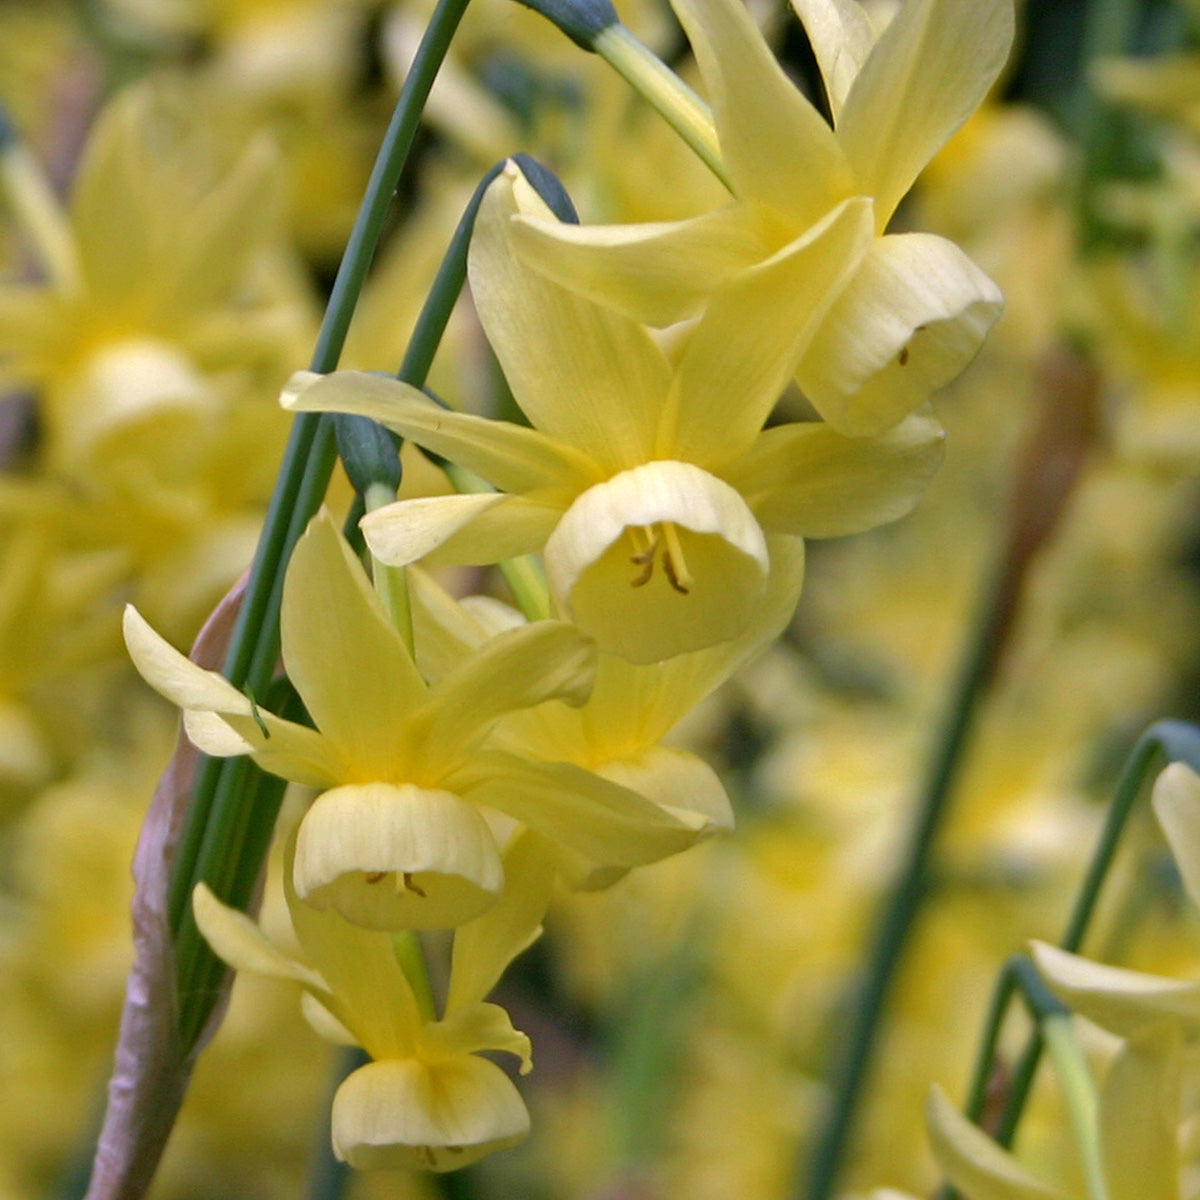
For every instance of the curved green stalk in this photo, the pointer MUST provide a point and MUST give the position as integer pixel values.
(1177, 741)
(224, 827)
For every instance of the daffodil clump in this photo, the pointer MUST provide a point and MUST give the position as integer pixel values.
(670, 522)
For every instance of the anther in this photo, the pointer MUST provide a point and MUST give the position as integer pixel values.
(412, 887)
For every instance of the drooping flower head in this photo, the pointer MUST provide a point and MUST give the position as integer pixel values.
(646, 478)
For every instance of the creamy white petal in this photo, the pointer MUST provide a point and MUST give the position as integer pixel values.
(912, 316)
(474, 528)
(439, 1116)
(1122, 1001)
(690, 575)
(396, 856)
(974, 1163)
(238, 941)
(842, 36)
(1176, 802)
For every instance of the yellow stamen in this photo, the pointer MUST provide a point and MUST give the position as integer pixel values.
(674, 564)
(646, 546)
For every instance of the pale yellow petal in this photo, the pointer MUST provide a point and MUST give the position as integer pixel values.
(912, 316)
(585, 376)
(679, 783)
(658, 561)
(841, 36)
(439, 1116)
(396, 856)
(1139, 1118)
(510, 457)
(753, 334)
(775, 146)
(483, 948)
(1122, 1001)
(973, 1163)
(544, 660)
(238, 941)
(470, 1029)
(291, 751)
(929, 70)
(344, 656)
(811, 481)
(1176, 802)
(323, 1023)
(608, 824)
(654, 273)
(473, 528)
(174, 675)
(370, 997)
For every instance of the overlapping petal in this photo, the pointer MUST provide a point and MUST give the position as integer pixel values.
(776, 147)
(808, 480)
(929, 70)
(910, 318)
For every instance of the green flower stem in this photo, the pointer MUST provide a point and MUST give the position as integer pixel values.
(656, 83)
(210, 847)
(1079, 1094)
(900, 910)
(391, 583)
(1177, 741)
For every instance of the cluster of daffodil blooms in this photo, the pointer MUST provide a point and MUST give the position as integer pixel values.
(723, 369)
(670, 525)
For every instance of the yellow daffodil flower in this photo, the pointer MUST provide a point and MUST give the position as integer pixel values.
(399, 837)
(650, 483)
(1136, 1130)
(618, 731)
(1127, 1002)
(427, 1099)
(912, 309)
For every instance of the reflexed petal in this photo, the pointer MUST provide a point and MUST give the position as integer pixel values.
(776, 147)
(841, 37)
(913, 315)
(545, 660)
(323, 1023)
(929, 70)
(211, 733)
(1139, 1118)
(811, 481)
(475, 1027)
(174, 675)
(1123, 1002)
(754, 332)
(679, 783)
(439, 1116)
(653, 273)
(473, 528)
(485, 946)
(390, 856)
(973, 1162)
(291, 751)
(510, 457)
(238, 941)
(585, 376)
(1177, 805)
(607, 824)
(343, 654)
(705, 589)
